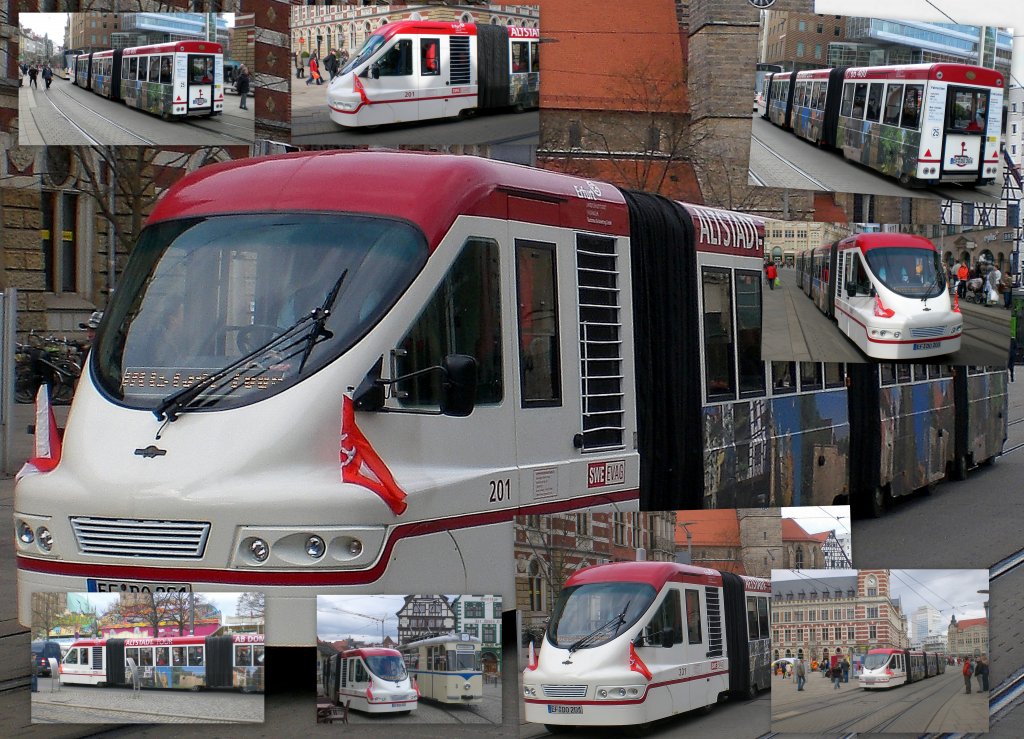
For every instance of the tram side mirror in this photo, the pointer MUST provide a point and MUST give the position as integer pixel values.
(369, 396)
(851, 289)
(458, 385)
(667, 637)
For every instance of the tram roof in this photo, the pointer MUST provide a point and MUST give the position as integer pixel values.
(961, 73)
(446, 28)
(371, 652)
(187, 47)
(428, 189)
(867, 242)
(461, 638)
(655, 574)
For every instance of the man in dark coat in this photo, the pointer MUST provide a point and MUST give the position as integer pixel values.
(242, 85)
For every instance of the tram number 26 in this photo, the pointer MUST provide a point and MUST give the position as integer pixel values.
(501, 490)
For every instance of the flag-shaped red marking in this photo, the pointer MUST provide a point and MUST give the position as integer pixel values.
(636, 664)
(361, 465)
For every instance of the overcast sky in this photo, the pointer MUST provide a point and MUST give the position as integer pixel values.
(225, 602)
(815, 519)
(949, 591)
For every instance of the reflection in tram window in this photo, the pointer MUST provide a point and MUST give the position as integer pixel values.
(693, 629)
(538, 325)
(893, 100)
(912, 107)
(784, 377)
(748, 332)
(397, 61)
(810, 376)
(195, 656)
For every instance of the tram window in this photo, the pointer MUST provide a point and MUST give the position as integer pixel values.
(534, 56)
(132, 653)
(71, 658)
(162, 656)
(783, 377)
(668, 616)
(257, 655)
(753, 626)
(834, 376)
(946, 370)
(177, 656)
(520, 56)
(967, 110)
(748, 332)
(430, 57)
(860, 96)
(360, 675)
(154, 69)
(396, 61)
(902, 373)
(762, 616)
(920, 372)
(195, 656)
(718, 335)
(463, 317)
(912, 107)
(143, 68)
(200, 69)
(810, 376)
(887, 373)
(124, 69)
(860, 278)
(165, 69)
(893, 102)
(693, 630)
(243, 655)
(875, 102)
(133, 68)
(146, 657)
(819, 96)
(539, 348)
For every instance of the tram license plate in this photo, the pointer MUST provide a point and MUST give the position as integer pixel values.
(565, 709)
(927, 345)
(129, 586)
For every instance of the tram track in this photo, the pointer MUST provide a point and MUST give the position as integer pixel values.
(92, 141)
(818, 184)
(96, 113)
(195, 123)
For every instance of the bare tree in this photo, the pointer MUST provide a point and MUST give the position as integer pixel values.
(252, 605)
(47, 608)
(181, 609)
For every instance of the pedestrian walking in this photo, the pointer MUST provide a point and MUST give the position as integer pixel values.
(968, 670)
(32, 73)
(837, 675)
(978, 672)
(846, 670)
(314, 70)
(984, 672)
(801, 674)
(47, 76)
(1006, 289)
(992, 281)
(331, 63)
(962, 275)
(771, 272)
(242, 85)
(300, 68)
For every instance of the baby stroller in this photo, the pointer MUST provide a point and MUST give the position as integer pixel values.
(976, 291)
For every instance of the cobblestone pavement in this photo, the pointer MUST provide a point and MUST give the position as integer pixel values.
(89, 704)
(937, 704)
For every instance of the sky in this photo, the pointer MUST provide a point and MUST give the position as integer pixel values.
(225, 602)
(949, 591)
(815, 519)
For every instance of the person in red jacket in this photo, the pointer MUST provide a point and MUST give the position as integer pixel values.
(968, 671)
(771, 273)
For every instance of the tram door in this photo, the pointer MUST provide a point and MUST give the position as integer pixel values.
(201, 78)
(432, 79)
(966, 122)
(668, 663)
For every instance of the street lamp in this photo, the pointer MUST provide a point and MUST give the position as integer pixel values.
(689, 539)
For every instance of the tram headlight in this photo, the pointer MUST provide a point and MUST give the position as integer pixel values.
(467, 687)
(355, 547)
(618, 692)
(602, 693)
(45, 538)
(529, 691)
(315, 547)
(25, 534)
(259, 550)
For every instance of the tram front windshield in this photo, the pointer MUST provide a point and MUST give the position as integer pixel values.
(202, 295)
(875, 661)
(907, 271)
(387, 667)
(597, 612)
(370, 48)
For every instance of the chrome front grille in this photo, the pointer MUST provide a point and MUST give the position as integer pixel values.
(927, 332)
(564, 691)
(125, 537)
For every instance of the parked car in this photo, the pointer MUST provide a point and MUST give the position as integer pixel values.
(41, 653)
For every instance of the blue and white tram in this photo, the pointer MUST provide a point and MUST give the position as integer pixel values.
(446, 668)
(372, 680)
(633, 642)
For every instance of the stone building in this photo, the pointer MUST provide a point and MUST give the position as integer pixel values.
(800, 550)
(549, 549)
(821, 615)
(747, 541)
(783, 240)
(967, 638)
(480, 616)
(422, 616)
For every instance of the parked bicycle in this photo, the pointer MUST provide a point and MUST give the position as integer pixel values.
(51, 361)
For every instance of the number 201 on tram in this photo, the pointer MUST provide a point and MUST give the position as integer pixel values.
(633, 642)
(176, 79)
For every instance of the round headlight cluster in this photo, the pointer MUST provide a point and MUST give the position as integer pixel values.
(315, 547)
(45, 538)
(25, 534)
(259, 550)
(529, 691)
(883, 333)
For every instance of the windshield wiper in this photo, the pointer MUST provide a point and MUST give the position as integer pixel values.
(927, 294)
(616, 622)
(320, 316)
(179, 401)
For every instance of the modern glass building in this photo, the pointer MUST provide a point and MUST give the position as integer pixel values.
(138, 29)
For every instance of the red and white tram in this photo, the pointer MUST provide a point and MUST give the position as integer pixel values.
(372, 680)
(887, 668)
(183, 662)
(176, 79)
(887, 292)
(919, 123)
(419, 70)
(633, 642)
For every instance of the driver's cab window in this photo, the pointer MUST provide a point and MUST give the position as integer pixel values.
(396, 61)
(860, 275)
(462, 317)
(668, 616)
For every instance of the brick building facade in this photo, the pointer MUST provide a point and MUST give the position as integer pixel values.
(967, 638)
(821, 615)
(747, 541)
